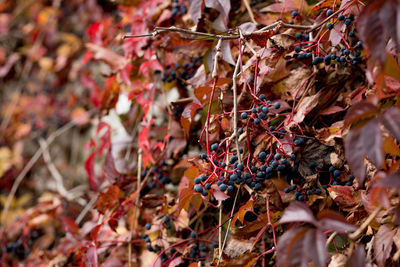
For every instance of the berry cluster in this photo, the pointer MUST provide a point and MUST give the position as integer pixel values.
(177, 11)
(181, 72)
(347, 53)
(158, 176)
(20, 248)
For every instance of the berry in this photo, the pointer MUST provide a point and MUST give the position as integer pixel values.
(168, 226)
(292, 187)
(313, 165)
(240, 166)
(297, 49)
(336, 173)
(301, 198)
(230, 188)
(331, 168)
(256, 121)
(254, 110)
(262, 116)
(277, 156)
(203, 247)
(343, 59)
(329, 26)
(299, 35)
(166, 219)
(317, 60)
(233, 159)
(309, 192)
(192, 235)
(318, 191)
(243, 116)
(327, 60)
(198, 188)
(352, 34)
(148, 226)
(208, 186)
(277, 105)
(204, 193)
(357, 53)
(147, 240)
(351, 177)
(298, 141)
(271, 128)
(292, 156)
(204, 156)
(262, 97)
(347, 21)
(359, 44)
(346, 52)
(329, 12)
(223, 187)
(308, 55)
(203, 178)
(257, 186)
(197, 180)
(286, 190)
(265, 110)
(349, 183)
(215, 146)
(240, 130)
(214, 245)
(150, 248)
(295, 13)
(291, 22)
(341, 17)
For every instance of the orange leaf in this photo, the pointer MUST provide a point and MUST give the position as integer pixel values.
(391, 147)
(191, 173)
(242, 211)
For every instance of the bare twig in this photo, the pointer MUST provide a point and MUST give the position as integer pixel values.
(30, 164)
(217, 57)
(133, 222)
(54, 172)
(365, 224)
(251, 14)
(330, 239)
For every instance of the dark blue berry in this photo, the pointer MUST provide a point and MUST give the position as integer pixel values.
(198, 188)
(351, 177)
(147, 240)
(254, 110)
(240, 166)
(277, 105)
(299, 35)
(359, 44)
(297, 49)
(197, 180)
(292, 156)
(149, 248)
(265, 110)
(286, 190)
(301, 198)
(166, 219)
(203, 247)
(214, 146)
(341, 17)
(331, 168)
(240, 130)
(243, 116)
(233, 159)
(192, 235)
(346, 52)
(277, 156)
(257, 186)
(352, 34)
(204, 193)
(214, 245)
(230, 188)
(168, 226)
(329, 12)
(208, 186)
(148, 226)
(291, 22)
(336, 173)
(313, 165)
(256, 121)
(329, 26)
(262, 97)
(318, 191)
(271, 128)
(295, 13)
(292, 187)
(223, 187)
(309, 192)
(204, 156)
(347, 22)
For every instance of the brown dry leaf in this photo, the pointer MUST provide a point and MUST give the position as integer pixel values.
(115, 61)
(235, 247)
(338, 260)
(296, 82)
(283, 41)
(305, 106)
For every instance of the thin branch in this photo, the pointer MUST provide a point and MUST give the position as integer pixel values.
(54, 172)
(330, 239)
(30, 164)
(218, 56)
(133, 222)
(229, 226)
(251, 14)
(365, 224)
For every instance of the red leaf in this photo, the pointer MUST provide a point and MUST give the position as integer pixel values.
(336, 225)
(391, 120)
(262, 38)
(91, 257)
(110, 171)
(70, 225)
(358, 258)
(298, 212)
(354, 151)
(361, 110)
(94, 180)
(373, 142)
(115, 61)
(108, 199)
(223, 6)
(375, 26)
(297, 246)
(187, 116)
(390, 181)
(383, 244)
(343, 196)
